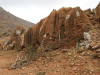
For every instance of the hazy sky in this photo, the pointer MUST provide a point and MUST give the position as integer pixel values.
(35, 10)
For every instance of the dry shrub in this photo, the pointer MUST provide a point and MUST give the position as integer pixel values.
(31, 52)
(41, 73)
(96, 56)
(34, 52)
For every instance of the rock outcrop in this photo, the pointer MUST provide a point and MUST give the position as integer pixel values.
(97, 11)
(61, 29)
(16, 39)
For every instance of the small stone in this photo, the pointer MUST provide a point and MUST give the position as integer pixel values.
(33, 66)
(75, 56)
(46, 65)
(98, 50)
(57, 70)
(23, 67)
(69, 53)
(72, 64)
(58, 53)
(80, 56)
(64, 50)
(70, 71)
(84, 53)
(63, 60)
(94, 61)
(82, 44)
(29, 73)
(39, 59)
(87, 46)
(95, 47)
(90, 72)
(92, 44)
(75, 69)
(81, 48)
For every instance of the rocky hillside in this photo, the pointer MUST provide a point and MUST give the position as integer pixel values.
(8, 22)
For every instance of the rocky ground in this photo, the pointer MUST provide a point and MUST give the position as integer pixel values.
(61, 62)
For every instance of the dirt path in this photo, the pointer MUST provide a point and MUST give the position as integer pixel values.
(5, 58)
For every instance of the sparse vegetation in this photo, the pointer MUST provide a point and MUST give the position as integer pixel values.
(9, 30)
(96, 56)
(41, 73)
(1, 27)
(80, 51)
(31, 52)
(4, 33)
(34, 52)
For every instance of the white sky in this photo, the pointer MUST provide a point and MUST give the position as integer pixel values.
(35, 10)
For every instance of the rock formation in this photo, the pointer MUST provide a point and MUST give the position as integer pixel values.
(61, 29)
(1, 47)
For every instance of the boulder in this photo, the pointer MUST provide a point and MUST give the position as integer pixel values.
(18, 31)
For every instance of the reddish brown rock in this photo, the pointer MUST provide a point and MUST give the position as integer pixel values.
(32, 35)
(1, 47)
(88, 12)
(9, 47)
(98, 50)
(18, 31)
(60, 29)
(97, 11)
(15, 39)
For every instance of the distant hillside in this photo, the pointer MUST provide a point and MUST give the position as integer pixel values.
(26, 22)
(8, 22)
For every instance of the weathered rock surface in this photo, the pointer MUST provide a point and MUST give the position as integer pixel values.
(62, 28)
(1, 47)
